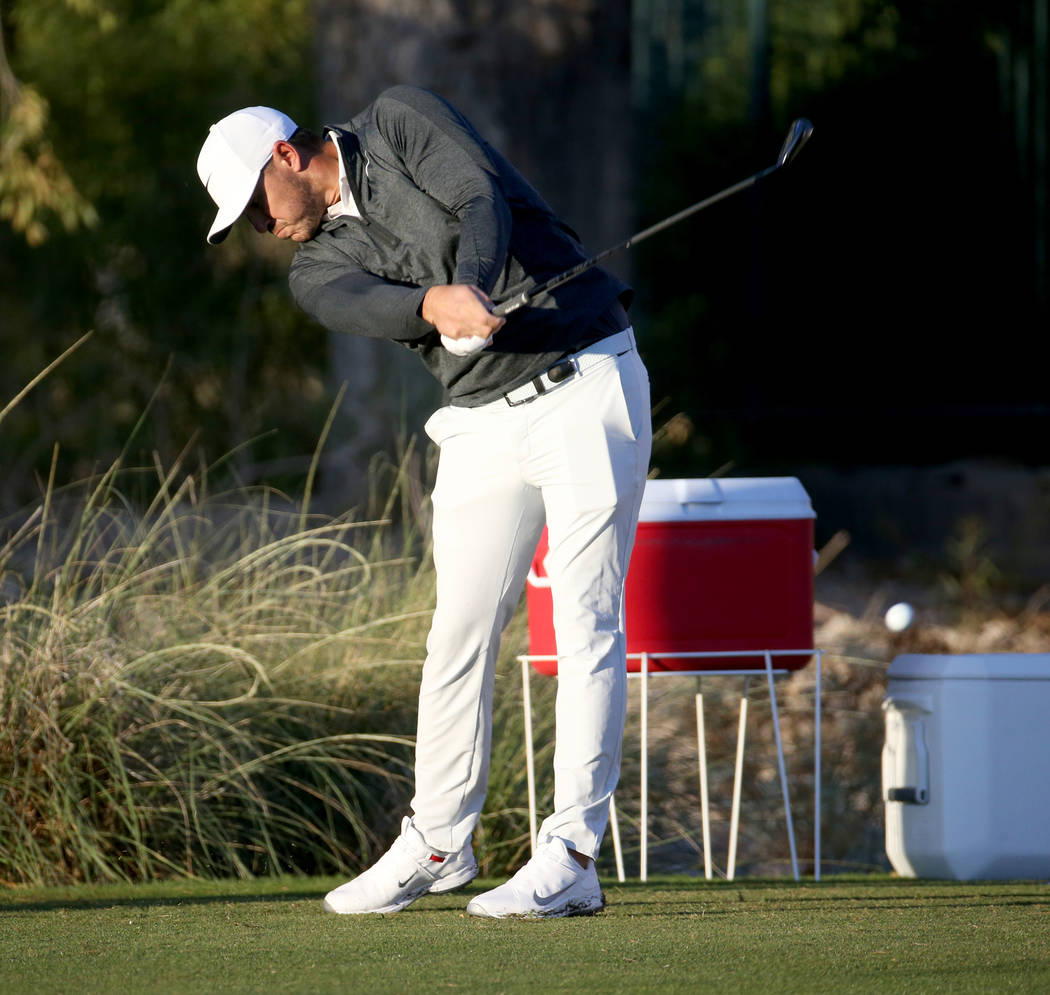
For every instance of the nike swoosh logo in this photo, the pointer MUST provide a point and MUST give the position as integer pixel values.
(434, 857)
(544, 903)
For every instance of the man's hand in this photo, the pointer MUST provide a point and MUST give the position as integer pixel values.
(459, 311)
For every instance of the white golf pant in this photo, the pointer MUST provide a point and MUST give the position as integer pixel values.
(575, 457)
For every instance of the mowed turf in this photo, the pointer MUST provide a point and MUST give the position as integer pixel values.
(872, 934)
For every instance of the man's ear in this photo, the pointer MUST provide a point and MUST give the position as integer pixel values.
(286, 154)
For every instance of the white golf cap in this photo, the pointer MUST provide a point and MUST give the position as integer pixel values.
(232, 157)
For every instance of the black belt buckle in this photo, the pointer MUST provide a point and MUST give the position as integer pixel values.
(556, 374)
(561, 371)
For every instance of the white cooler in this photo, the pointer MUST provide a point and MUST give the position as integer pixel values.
(966, 766)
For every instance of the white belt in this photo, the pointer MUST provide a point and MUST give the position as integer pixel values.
(567, 369)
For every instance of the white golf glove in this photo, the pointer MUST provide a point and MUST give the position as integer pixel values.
(467, 346)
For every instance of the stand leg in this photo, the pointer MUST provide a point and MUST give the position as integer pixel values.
(644, 869)
(734, 820)
(816, 774)
(705, 811)
(614, 825)
(780, 763)
(530, 759)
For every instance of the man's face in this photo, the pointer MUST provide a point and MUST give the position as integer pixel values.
(286, 204)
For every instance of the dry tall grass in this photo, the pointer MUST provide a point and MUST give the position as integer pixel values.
(215, 685)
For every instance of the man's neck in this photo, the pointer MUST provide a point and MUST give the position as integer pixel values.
(330, 163)
(341, 198)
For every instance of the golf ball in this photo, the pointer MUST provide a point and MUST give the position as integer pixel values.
(899, 616)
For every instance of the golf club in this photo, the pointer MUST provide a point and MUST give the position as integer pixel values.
(800, 131)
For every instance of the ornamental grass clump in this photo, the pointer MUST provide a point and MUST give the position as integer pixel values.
(209, 685)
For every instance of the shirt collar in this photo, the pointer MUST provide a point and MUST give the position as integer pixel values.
(346, 204)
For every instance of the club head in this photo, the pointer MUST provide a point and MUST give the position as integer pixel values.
(799, 134)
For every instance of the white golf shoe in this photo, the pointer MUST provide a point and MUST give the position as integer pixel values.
(549, 886)
(407, 871)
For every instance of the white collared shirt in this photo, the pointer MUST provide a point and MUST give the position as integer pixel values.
(347, 205)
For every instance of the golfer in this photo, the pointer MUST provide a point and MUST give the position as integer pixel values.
(409, 226)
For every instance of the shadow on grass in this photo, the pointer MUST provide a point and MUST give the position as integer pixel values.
(155, 896)
(859, 892)
(51, 905)
(652, 908)
(829, 883)
(654, 895)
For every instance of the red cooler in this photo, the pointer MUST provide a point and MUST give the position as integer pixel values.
(718, 565)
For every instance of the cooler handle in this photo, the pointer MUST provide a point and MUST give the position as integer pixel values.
(910, 796)
(905, 757)
(682, 487)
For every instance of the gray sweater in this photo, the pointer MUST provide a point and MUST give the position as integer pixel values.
(438, 206)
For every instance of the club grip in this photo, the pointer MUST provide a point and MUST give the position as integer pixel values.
(512, 304)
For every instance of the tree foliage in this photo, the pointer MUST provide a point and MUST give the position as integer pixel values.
(33, 183)
(106, 105)
(914, 222)
(870, 303)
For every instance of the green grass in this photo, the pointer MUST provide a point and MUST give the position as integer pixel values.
(875, 934)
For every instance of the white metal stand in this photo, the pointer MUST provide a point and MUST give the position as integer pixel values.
(644, 673)
(705, 811)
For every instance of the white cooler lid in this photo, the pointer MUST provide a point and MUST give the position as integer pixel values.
(724, 499)
(971, 667)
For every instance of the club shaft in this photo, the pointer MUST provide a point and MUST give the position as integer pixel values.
(522, 298)
(699, 206)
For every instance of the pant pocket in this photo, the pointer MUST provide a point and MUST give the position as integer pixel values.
(440, 425)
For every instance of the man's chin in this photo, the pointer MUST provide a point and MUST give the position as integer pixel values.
(304, 236)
